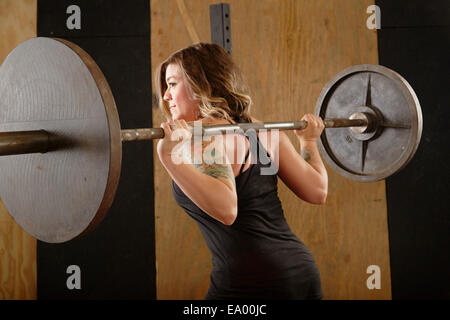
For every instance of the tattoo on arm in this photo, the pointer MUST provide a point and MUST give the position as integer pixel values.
(306, 155)
(214, 170)
(216, 165)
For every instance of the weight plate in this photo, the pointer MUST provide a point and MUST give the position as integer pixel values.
(390, 95)
(52, 84)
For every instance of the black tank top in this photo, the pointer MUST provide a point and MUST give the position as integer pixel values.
(258, 256)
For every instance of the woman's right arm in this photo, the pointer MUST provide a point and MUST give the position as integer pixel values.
(210, 186)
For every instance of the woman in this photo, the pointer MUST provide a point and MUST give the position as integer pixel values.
(254, 252)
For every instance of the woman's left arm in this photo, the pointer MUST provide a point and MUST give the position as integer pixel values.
(304, 174)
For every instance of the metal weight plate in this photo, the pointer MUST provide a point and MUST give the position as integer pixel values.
(388, 97)
(52, 84)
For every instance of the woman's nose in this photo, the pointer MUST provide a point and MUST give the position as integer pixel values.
(167, 95)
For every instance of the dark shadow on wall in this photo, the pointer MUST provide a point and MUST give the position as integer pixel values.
(414, 40)
(117, 260)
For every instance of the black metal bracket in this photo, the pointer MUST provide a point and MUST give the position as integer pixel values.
(219, 15)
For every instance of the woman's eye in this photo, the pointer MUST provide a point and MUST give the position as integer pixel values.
(172, 84)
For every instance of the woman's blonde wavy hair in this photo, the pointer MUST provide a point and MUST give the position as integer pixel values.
(212, 79)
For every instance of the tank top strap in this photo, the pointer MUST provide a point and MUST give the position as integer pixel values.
(245, 160)
(247, 154)
(251, 140)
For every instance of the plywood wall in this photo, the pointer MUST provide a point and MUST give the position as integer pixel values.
(17, 248)
(288, 50)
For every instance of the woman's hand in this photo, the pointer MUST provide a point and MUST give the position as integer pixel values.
(174, 131)
(314, 129)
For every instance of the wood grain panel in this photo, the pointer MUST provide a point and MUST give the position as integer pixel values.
(288, 50)
(17, 248)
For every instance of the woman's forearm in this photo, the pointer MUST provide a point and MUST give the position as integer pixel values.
(310, 152)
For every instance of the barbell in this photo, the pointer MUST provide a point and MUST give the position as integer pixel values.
(60, 130)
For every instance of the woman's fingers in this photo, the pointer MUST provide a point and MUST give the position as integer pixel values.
(176, 129)
(167, 130)
(314, 128)
(315, 121)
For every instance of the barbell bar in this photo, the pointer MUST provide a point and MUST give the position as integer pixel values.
(60, 128)
(40, 141)
(158, 133)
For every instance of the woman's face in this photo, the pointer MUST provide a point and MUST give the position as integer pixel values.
(181, 104)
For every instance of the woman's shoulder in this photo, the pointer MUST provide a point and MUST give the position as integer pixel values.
(213, 121)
